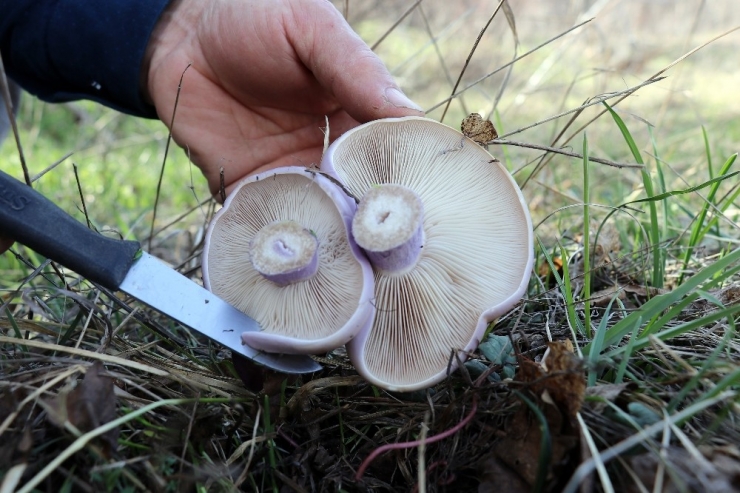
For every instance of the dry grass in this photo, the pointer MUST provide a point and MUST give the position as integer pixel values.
(654, 417)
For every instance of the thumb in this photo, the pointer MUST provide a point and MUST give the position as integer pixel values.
(345, 66)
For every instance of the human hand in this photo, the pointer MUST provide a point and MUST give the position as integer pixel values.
(263, 76)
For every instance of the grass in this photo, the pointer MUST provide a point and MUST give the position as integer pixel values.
(637, 267)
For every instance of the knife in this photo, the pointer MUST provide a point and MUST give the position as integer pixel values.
(29, 218)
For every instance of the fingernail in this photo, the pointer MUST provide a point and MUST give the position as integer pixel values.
(400, 100)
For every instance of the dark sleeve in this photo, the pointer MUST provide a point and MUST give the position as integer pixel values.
(62, 50)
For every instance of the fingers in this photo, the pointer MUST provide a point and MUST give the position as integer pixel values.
(344, 65)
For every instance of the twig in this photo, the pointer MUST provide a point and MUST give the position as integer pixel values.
(82, 197)
(591, 102)
(51, 167)
(334, 181)
(642, 435)
(164, 159)
(415, 443)
(221, 186)
(470, 56)
(563, 152)
(440, 57)
(654, 78)
(395, 24)
(5, 89)
(491, 74)
(186, 441)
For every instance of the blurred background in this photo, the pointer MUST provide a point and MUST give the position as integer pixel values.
(426, 44)
(626, 43)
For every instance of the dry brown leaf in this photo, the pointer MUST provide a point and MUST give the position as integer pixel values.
(729, 295)
(566, 383)
(519, 449)
(15, 445)
(644, 291)
(496, 477)
(604, 296)
(561, 384)
(477, 129)
(546, 274)
(91, 404)
(604, 248)
(607, 393)
(717, 471)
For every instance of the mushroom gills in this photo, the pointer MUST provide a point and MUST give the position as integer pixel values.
(388, 226)
(477, 247)
(280, 250)
(285, 252)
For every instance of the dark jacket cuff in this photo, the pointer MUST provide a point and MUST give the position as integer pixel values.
(62, 50)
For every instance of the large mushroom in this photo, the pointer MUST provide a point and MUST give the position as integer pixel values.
(280, 251)
(450, 238)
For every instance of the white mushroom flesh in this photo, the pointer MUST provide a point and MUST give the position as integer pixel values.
(284, 252)
(388, 225)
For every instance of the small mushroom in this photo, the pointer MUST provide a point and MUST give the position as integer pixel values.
(450, 239)
(280, 251)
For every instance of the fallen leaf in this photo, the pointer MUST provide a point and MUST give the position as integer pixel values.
(477, 129)
(644, 291)
(559, 384)
(91, 404)
(639, 413)
(597, 398)
(496, 477)
(566, 383)
(604, 296)
(499, 351)
(520, 448)
(545, 271)
(715, 471)
(15, 445)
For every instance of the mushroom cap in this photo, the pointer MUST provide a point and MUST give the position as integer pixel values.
(476, 258)
(306, 317)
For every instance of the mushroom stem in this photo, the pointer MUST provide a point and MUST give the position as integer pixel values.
(284, 252)
(388, 226)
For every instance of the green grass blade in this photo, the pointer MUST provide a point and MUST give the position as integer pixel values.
(722, 207)
(663, 188)
(565, 288)
(657, 252)
(629, 349)
(655, 306)
(708, 364)
(698, 226)
(586, 243)
(598, 341)
(707, 151)
(679, 329)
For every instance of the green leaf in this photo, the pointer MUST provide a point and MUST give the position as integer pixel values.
(498, 350)
(643, 415)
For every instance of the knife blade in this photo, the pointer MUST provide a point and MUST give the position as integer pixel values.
(29, 218)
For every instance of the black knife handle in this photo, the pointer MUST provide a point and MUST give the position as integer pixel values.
(29, 218)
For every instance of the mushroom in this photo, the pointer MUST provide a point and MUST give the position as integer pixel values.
(280, 251)
(450, 239)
